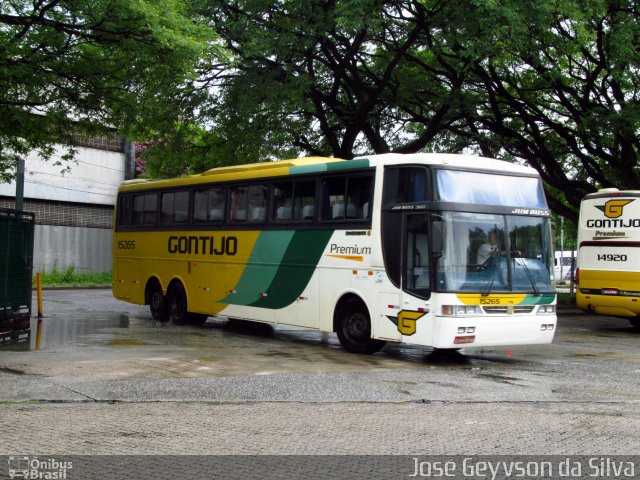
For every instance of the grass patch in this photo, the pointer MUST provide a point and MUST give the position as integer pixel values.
(566, 298)
(69, 277)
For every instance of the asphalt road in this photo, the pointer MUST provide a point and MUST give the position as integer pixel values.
(108, 380)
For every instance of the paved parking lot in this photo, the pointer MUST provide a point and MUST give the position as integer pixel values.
(109, 380)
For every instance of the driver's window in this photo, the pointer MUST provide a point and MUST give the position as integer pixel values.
(490, 247)
(485, 242)
(416, 278)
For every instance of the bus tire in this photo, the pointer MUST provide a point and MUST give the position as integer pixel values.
(353, 327)
(178, 305)
(198, 318)
(158, 304)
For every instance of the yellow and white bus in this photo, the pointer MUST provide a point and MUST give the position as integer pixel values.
(608, 275)
(384, 248)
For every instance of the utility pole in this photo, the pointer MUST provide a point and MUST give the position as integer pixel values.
(20, 185)
(561, 247)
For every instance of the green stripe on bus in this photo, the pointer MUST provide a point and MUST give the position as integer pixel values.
(329, 167)
(262, 266)
(348, 165)
(298, 265)
(538, 299)
(317, 168)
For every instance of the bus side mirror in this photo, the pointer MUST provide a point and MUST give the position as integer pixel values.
(437, 237)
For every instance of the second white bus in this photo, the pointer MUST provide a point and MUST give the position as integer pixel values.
(608, 274)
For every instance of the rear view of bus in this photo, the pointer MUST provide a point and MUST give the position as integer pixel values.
(609, 254)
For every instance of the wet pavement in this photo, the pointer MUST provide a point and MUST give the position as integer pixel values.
(110, 350)
(108, 359)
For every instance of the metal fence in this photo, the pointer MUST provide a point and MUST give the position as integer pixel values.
(16, 267)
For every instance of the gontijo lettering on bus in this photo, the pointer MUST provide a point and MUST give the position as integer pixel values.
(202, 244)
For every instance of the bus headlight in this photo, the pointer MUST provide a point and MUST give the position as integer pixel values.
(461, 310)
(549, 309)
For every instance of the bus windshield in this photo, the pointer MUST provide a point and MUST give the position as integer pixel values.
(489, 253)
(489, 189)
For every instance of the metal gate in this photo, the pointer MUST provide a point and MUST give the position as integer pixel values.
(16, 270)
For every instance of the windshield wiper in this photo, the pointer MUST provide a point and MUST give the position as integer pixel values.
(522, 263)
(494, 267)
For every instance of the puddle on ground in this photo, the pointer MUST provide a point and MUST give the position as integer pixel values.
(56, 332)
(223, 346)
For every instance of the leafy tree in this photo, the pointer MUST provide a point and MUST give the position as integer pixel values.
(71, 66)
(558, 86)
(553, 83)
(331, 78)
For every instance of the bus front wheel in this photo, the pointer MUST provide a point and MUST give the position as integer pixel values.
(354, 329)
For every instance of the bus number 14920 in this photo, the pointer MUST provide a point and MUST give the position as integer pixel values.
(611, 257)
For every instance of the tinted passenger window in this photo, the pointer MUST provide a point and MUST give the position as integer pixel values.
(145, 209)
(175, 208)
(346, 198)
(358, 193)
(405, 185)
(248, 204)
(208, 205)
(124, 210)
(282, 209)
(304, 200)
(333, 195)
(293, 201)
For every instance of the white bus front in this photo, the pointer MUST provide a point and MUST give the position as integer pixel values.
(476, 255)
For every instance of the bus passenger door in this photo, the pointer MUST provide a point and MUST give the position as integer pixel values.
(415, 302)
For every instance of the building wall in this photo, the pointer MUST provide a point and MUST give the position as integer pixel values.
(74, 209)
(52, 212)
(69, 234)
(85, 249)
(93, 178)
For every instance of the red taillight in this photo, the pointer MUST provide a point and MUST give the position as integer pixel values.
(462, 339)
(577, 279)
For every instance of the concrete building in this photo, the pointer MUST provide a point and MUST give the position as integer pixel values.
(74, 210)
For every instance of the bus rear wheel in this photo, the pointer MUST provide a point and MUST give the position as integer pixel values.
(178, 305)
(158, 304)
(354, 329)
(178, 308)
(198, 318)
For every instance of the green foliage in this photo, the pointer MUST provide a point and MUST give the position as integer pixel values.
(552, 83)
(69, 277)
(567, 299)
(321, 78)
(71, 66)
(566, 234)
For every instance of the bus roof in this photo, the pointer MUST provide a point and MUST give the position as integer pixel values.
(455, 160)
(327, 164)
(240, 172)
(612, 192)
